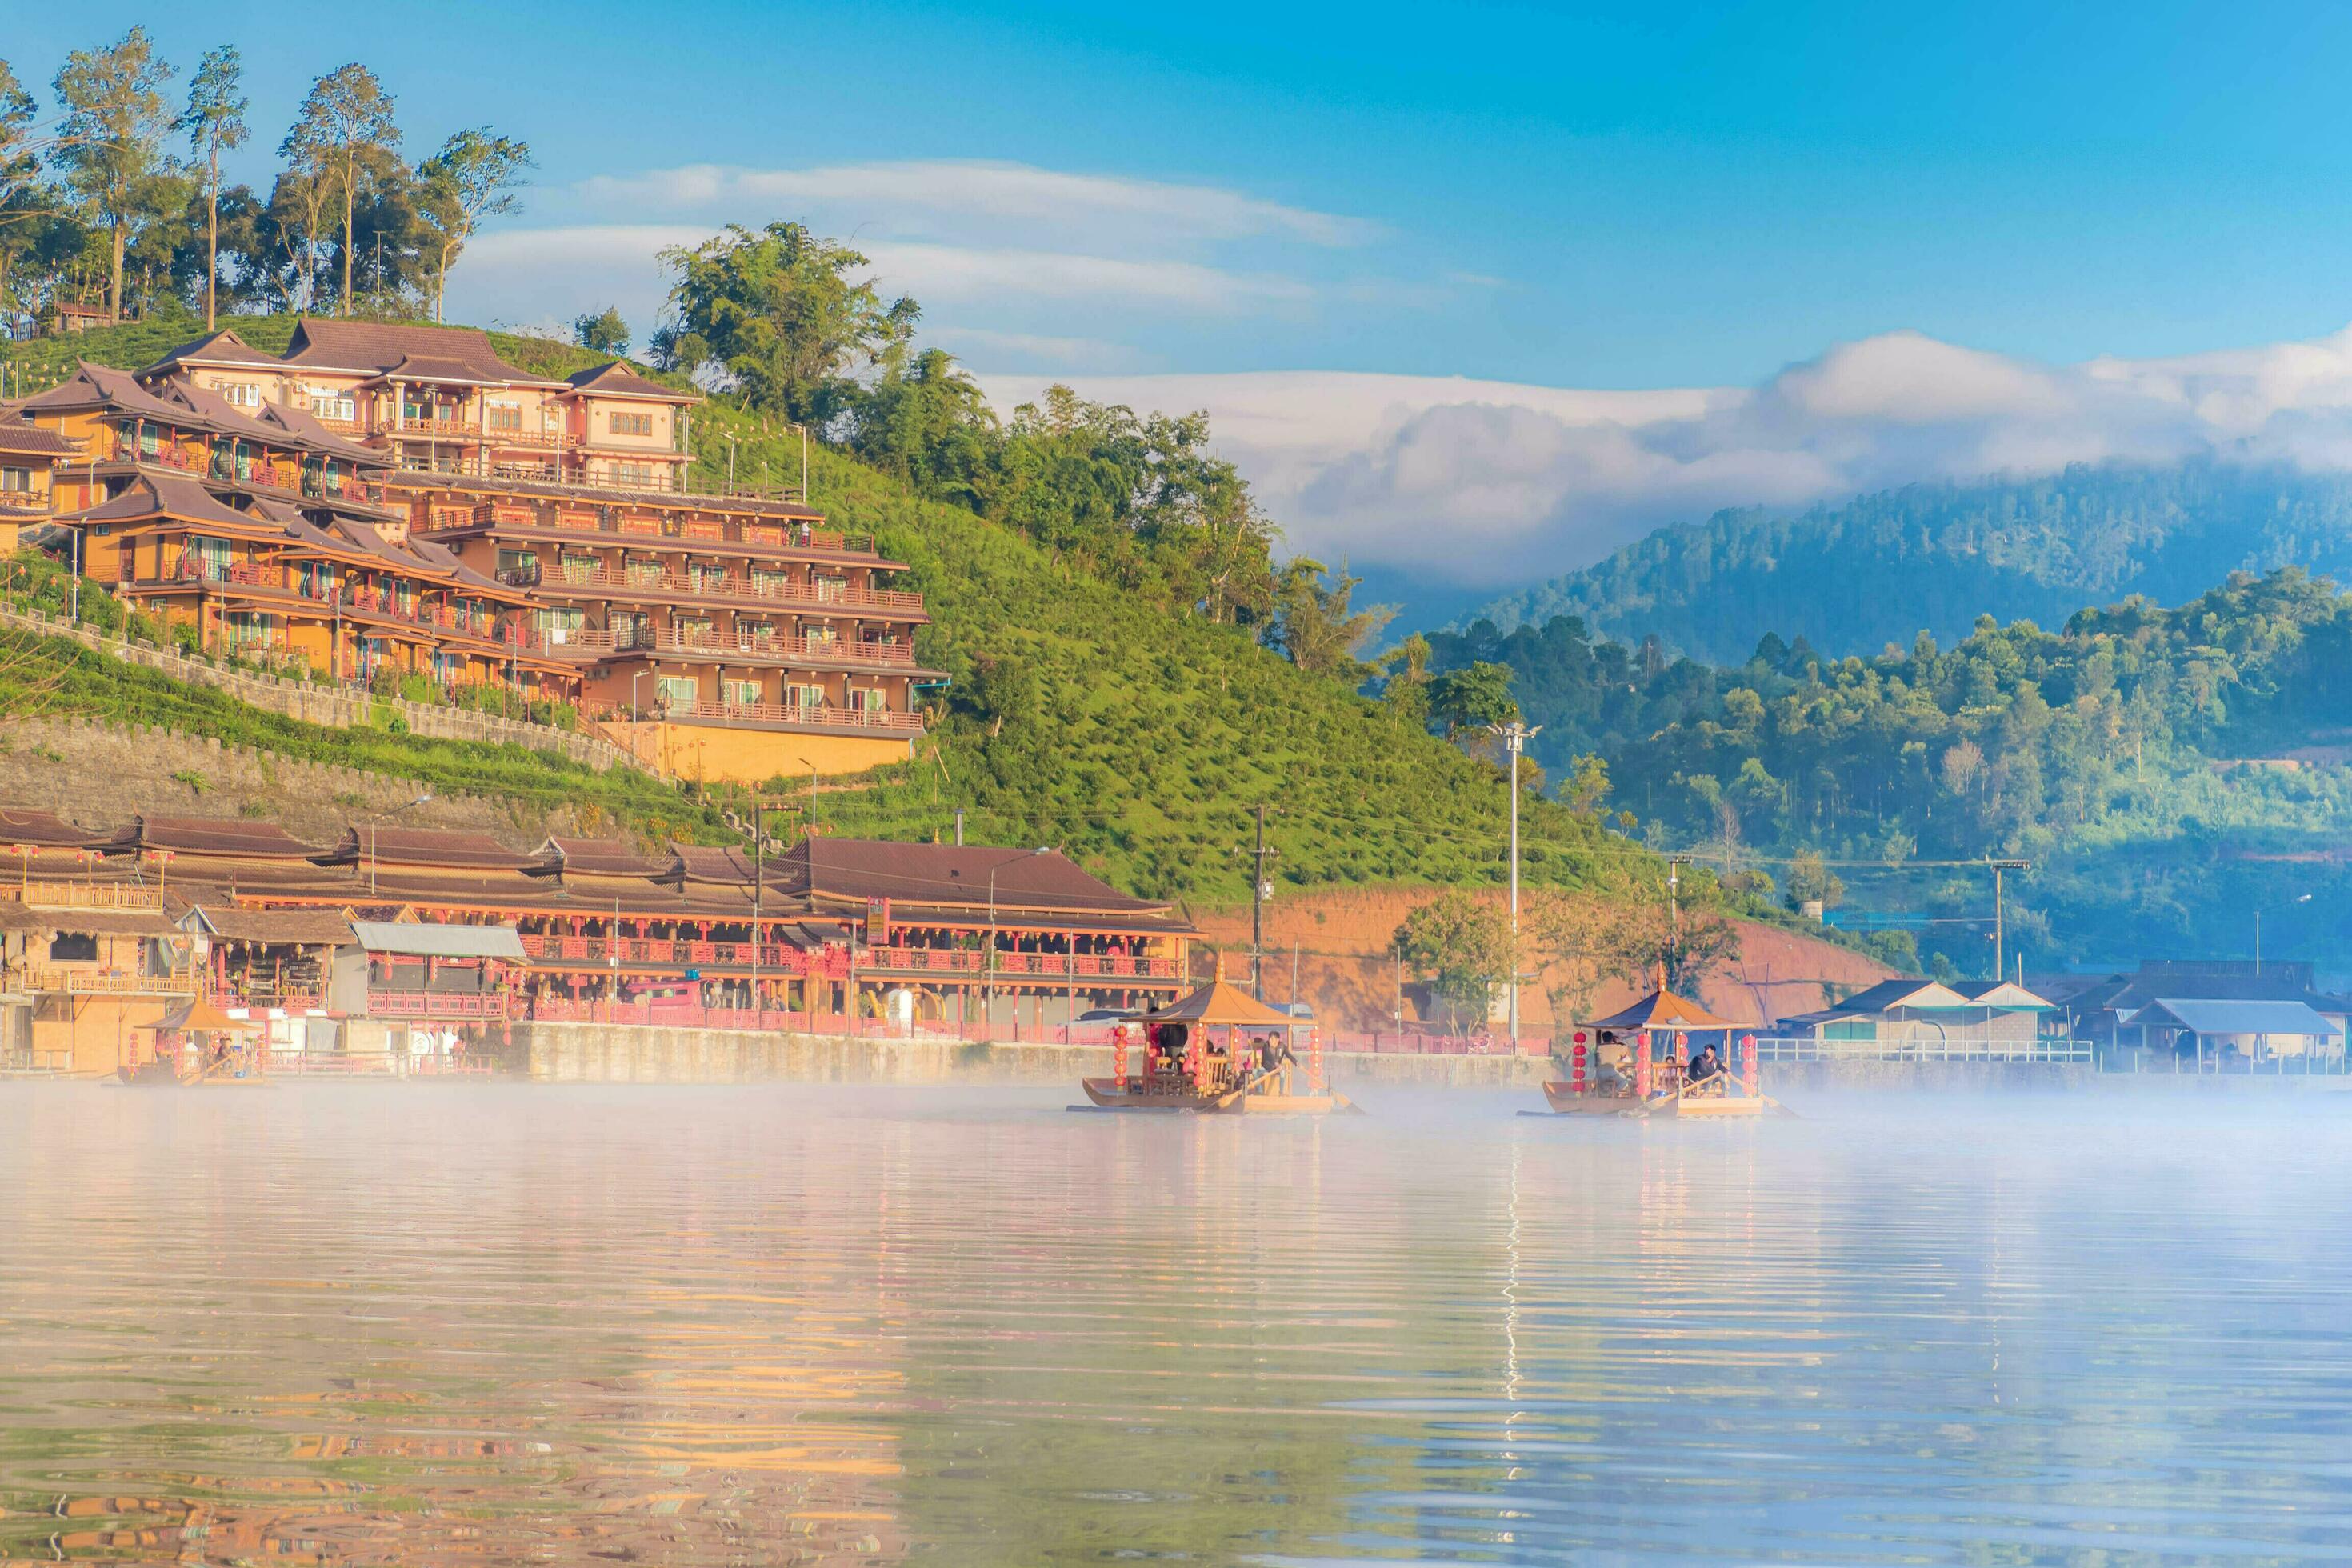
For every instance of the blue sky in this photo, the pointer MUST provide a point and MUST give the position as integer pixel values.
(1592, 198)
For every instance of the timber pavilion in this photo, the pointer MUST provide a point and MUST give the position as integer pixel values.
(245, 914)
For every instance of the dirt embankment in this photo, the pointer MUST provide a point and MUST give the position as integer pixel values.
(1345, 971)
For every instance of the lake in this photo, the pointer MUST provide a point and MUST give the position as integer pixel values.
(462, 1323)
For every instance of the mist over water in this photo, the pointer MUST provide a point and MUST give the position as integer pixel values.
(432, 1325)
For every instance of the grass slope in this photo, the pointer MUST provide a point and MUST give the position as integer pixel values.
(1153, 735)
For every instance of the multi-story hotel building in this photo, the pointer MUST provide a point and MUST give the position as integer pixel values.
(399, 498)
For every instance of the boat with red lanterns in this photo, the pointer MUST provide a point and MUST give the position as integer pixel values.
(1644, 1061)
(1217, 1051)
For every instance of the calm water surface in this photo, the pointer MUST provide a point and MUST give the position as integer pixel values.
(432, 1325)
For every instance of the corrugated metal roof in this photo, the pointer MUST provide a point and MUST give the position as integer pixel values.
(2225, 1017)
(439, 941)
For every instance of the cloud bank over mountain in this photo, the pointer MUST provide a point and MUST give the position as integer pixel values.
(1484, 483)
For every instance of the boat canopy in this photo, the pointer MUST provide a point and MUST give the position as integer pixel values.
(199, 1017)
(1218, 1004)
(1662, 1009)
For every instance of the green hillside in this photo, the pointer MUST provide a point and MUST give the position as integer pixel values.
(2167, 770)
(1853, 577)
(1086, 716)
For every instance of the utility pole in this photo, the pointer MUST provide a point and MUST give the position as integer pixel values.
(1675, 864)
(2000, 935)
(1258, 888)
(959, 827)
(1516, 736)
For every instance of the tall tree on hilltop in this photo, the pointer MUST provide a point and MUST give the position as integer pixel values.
(1318, 626)
(781, 310)
(602, 332)
(109, 146)
(474, 176)
(20, 151)
(344, 131)
(214, 121)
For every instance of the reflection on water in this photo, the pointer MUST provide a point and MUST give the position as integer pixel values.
(351, 1324)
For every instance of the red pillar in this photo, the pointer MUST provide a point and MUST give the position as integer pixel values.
(1748, 1063)
(1640, 1063)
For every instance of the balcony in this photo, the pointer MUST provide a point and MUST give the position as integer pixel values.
(1046, 965)
(606, 582)
(782, 649)
(114, 982)
(611, 527)
(84, 896)
(453, 1006)
(799, 716)
(24, 501)
(411, 428)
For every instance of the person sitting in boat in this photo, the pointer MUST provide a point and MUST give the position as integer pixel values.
(1705, 1075)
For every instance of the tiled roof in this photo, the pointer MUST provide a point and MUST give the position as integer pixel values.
(96, 386)
(863, 869)
(31, 441)
(430, 846)
(224, 837)
(309, 928)
(224, 347)
(460, 352)
(171, 496)
(44, 830)
(619, 380)
(600, 857)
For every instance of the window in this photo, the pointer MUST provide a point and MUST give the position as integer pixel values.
(630, 476)
(677, 690)
(1860, 1029)
(629, 423)
(237, 394)
(333, 405)
(506, 416)
(744, 693)
(73, 947)
(866, 701)
(19, 480)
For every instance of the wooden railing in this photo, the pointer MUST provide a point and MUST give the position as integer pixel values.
(885, 718)
(1048, 965)
(53, 895)
(24, 500)
(555, 950)
(861, 651)
(456, 1006)
(623, 583)
(113, 982)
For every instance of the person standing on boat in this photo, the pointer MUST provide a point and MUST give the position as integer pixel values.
(1705, 1067)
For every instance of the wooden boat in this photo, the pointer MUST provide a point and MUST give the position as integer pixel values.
(1216, 1052)
(1611, 1071)
(197, 1045)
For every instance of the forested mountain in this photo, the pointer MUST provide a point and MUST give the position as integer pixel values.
(2167, 770)
(1855, 577)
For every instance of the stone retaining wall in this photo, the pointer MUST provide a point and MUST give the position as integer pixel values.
(606, 1053)
(335, 707)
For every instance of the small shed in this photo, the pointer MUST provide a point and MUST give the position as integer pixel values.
(405, 971)
(2252, 1031)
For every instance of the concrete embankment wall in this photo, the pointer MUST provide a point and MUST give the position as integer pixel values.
(604, 1052)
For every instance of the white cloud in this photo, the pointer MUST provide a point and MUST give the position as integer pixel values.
(976, 189)
(1075, 353)
(1486, 482)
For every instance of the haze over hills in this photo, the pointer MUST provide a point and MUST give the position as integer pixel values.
(1855, 577)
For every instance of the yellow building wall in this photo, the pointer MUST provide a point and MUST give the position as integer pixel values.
(753, 756)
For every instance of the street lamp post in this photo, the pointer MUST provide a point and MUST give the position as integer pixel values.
(2298, 898)
(1515, 735)
(636, 708)
(377, 822)
(988, 990)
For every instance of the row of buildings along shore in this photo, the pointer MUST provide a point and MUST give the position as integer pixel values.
(419, 936)
(398, 500)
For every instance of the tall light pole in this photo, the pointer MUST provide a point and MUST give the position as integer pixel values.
(1516, 736)
(988, 989)
(636, 708)
(2298, 898)
(2000, 914)
(376, 822)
